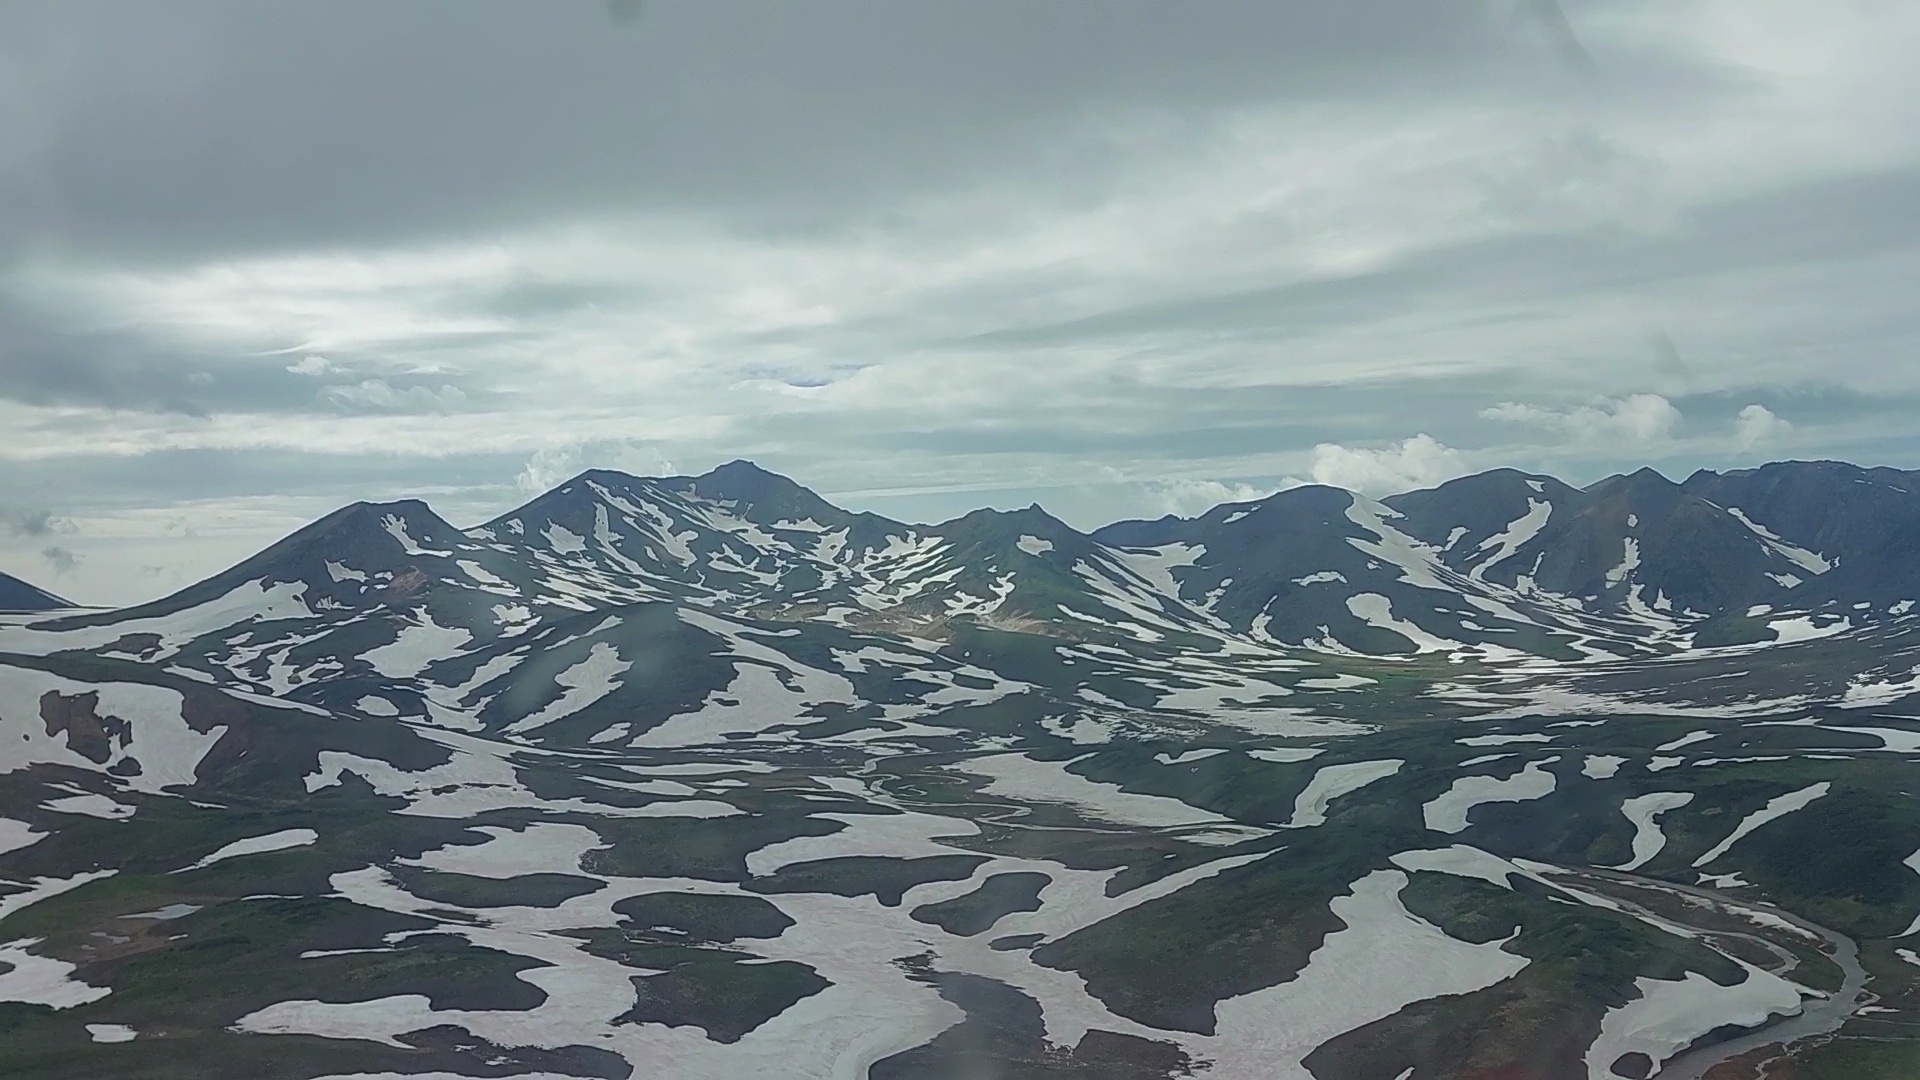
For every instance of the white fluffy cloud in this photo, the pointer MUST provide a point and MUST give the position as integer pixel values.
(1417, 462)
(1757, 426)
(549, 467)
(1187, 498)
(1636, 420)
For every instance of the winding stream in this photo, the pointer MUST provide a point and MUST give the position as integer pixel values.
(1817, 1016)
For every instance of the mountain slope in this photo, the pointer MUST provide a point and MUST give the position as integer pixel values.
(18, 596)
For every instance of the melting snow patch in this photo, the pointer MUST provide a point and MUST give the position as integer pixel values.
(564, 541)
(110, 1033)
(1510, 540)
(1602, 766)
(418, 645)
(1777, 807)
(15, 835)
(397, 528)
(1669, 1015)
(1628, 562)
(1033, 545)
(1333, 781)
(582, 684)
(1286, 754)
(1385, 960)
(1376, 610)
(1342, 681)
(1688, 739)
(1804, 628)
(1644, 811)
(1448, 813)
(1799, 556)
(1021, 778)
(1188, 756)
(1504, 740)
(279, 841)
(38, 980)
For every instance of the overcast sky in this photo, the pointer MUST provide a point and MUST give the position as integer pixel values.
(1122, 257)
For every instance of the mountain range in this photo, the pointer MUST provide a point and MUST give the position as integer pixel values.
(708, 777)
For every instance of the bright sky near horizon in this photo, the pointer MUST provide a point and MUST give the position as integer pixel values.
(1122, 257)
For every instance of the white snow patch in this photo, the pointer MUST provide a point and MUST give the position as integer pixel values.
(1448, 812)
(419, 644)
(1333, 781)
(1509, 540)
(1804, 628)
(1188, 756)
(1376, 610)
(1688, 739)
(581, 685)
(396, 527)
(39, 980)
(1669, 1015)
(1286, 754)
(1799, 556)
(158, 736)
(278, 841)
(1385, 960)
(1629, 561)
(1777, 807)
(15, 835)
(1033, 545)
(1504, 740)
(563, 540)
(1644, 811)
(1602, 766)
(1023, 779)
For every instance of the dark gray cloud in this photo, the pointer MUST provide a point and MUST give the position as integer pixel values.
(48, 360)
(62, 560)
(229, 124)
(33, 523)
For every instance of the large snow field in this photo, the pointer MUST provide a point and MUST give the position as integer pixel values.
(1385, 960)
(39, 980)
(168, 749)
(1670, 1014)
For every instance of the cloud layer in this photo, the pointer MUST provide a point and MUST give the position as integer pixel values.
(1113, 256)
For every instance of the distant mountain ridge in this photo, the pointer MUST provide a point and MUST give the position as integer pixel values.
(1500, 560)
